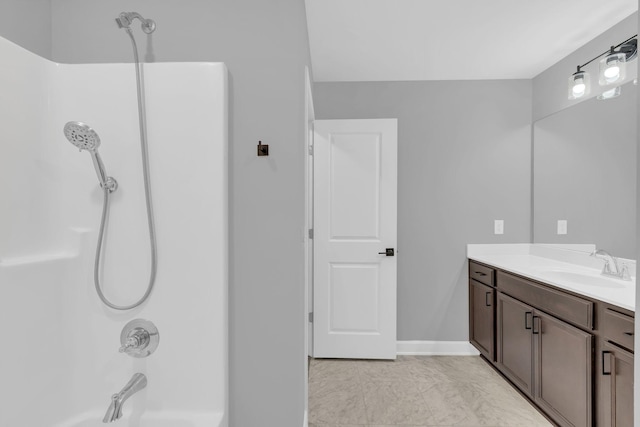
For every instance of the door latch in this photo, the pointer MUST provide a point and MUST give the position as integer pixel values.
(388, 252)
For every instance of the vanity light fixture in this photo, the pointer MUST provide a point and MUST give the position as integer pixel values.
(612, 68)
(579, 84)
(612, 71)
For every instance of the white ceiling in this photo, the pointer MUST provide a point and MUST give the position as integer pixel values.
(386, 40)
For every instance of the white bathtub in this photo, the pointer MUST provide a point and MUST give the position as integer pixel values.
(152, 419)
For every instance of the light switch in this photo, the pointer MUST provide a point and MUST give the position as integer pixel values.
(498, 226)
(562, 226)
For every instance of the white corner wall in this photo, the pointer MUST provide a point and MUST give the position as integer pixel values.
(61, 336)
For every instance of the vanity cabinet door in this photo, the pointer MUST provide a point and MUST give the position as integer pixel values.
(563, 368)
(617, 381)
(514, 322)
(482, 326)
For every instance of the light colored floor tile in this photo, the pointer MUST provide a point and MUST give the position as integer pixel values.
(415, 391)
(447, 404)
(334, 370)
(395, 403)
(336, 402)
(385, 370)
(461, 369)
(337, 425)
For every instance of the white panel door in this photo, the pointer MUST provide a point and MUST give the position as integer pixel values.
(355, 215)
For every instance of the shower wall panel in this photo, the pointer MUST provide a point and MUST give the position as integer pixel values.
(49, 229)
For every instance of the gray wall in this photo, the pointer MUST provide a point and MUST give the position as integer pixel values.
(265, 46)
(550, 86)
(636, 387)
(27, 23)
(585, 172)
(464, 160)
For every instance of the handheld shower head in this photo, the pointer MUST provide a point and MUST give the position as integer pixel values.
(82, 136)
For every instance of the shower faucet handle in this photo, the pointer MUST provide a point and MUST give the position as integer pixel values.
(139, 338)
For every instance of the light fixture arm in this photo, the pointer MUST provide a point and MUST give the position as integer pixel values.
(630, 51)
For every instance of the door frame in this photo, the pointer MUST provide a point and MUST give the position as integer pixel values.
(309, 117)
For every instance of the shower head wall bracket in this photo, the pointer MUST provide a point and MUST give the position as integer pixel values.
(110, 184)
(126, 19)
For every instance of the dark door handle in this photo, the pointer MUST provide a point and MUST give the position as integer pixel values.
(487, 301)
(388, 252)
(629, 333)
(534, 325)
(526, 319)
(604, 352)
(480, 273)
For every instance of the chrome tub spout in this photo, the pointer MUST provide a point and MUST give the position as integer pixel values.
(135, 384)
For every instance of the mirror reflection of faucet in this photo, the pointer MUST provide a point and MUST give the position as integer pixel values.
(611, 267)
(139, 338)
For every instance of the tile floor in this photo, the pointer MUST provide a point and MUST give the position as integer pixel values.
(414, 391)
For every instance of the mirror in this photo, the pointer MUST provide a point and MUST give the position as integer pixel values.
(584, 172)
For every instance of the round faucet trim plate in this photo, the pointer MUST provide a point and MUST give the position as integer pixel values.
(139, 338)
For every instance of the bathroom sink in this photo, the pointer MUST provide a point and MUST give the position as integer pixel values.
(585, 279)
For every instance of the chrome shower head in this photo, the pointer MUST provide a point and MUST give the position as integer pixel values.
(82, 136)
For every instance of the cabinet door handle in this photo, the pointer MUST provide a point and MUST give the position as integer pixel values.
(526, 319)
(487, 301)
(480, 273)
(534, 325)
(604, 352)
(629, 333)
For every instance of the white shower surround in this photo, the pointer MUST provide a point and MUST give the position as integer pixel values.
(60, 361)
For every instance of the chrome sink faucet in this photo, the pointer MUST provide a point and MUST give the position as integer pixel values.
(135, 384)
(611, 267)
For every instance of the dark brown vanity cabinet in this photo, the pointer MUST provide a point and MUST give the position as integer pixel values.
(571, 355)
(615, 369)
(547, 359)
(563, 370)
(617, 386)
(482, 309)
(515, 342)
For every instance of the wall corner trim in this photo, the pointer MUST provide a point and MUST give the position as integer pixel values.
(305, 422)
(436, 348)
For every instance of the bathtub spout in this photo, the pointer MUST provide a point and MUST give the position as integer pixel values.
(135, 384)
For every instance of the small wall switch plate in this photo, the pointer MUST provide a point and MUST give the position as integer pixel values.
(498, 226)
(562, 226)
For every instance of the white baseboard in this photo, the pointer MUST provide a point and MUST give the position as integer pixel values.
(305, 421)
(436, 348)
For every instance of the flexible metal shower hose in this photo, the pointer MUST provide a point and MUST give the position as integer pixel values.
(147, 190)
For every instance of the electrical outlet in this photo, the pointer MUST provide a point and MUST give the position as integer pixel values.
(562, 226)
(498, 226)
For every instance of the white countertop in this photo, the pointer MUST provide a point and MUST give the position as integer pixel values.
(566, 268)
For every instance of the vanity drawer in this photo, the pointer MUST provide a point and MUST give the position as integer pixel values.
(617, 327)
(481, 273)
(565, 306)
